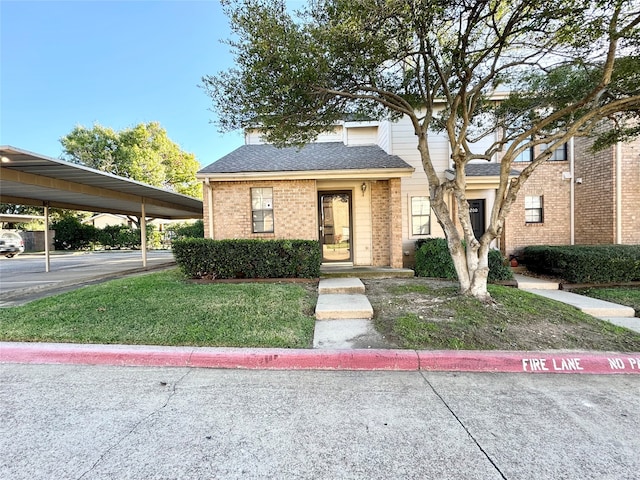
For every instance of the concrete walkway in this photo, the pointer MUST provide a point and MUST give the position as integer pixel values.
(343, 316)
(620, 315)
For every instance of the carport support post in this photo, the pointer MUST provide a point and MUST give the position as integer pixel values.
(47, 263)
(143, 234)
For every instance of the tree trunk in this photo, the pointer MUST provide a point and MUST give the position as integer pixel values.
(471, 263)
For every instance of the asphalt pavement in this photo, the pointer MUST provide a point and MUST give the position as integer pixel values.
(104, 422)
(23, 278)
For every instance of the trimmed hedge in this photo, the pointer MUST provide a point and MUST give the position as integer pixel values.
(207, 258)
(586, 263)
(434, 260)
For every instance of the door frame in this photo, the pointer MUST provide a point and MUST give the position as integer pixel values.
(349, 194)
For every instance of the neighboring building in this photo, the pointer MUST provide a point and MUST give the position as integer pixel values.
(578, 197)
(101, 220)
(362, 192)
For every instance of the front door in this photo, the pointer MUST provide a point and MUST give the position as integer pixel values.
(476, 212)
(335, 226)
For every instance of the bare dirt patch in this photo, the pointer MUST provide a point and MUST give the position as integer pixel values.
(429, 314)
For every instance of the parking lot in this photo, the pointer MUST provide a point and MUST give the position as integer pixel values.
(23, 278)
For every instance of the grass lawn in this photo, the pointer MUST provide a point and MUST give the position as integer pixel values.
(629, 296)
(165, 309)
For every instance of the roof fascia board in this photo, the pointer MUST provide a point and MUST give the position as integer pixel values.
(377, 174)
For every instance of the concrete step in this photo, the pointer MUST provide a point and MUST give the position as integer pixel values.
(331, 271)
(340, 285)
(591, 306)
(343, 306)
(533, 283)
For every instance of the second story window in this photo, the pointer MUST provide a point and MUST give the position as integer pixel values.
(533, 212)
(560, 154)
(525, 156)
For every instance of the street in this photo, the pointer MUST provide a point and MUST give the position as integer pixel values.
(99, 422)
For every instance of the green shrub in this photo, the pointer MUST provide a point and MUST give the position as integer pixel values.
(499, 268)
(434, 260)
(206, 258)
(71, 234)
(586, 263)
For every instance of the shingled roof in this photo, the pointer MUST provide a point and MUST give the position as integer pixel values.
(483, 170)
(311, 157)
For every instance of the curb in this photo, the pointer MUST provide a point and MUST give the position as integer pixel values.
(306, 359)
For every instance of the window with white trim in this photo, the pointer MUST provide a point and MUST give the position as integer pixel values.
(262, 210)
(533, 209)
(420, 216)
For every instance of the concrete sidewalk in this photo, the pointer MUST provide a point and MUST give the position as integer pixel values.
(620, 315)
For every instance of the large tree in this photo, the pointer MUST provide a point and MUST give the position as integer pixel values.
(143, 152)
(524, 73)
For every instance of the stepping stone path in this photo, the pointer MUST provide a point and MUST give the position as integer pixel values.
(343, 316)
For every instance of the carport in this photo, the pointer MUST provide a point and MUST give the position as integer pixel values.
(28, 178)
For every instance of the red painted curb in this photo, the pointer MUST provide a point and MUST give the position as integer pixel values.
(530, 362)
(245, 358)
(299, 359)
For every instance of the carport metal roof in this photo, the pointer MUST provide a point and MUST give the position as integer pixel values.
(28, 178)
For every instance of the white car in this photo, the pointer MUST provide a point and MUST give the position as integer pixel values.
(11, 243)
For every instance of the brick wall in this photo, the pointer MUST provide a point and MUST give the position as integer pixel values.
(595, 196)
(381, 221)
(631, 193)
(395, 202)
(294, 209)
(386, 223)
(546, 181)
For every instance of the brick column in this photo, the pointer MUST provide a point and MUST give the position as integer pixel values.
(395, 225)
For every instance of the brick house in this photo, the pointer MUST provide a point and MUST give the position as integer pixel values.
(362, 192)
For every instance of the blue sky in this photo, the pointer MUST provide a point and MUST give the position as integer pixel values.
(116, 63)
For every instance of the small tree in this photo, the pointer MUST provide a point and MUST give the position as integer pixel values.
(569, 66)
(187, 230)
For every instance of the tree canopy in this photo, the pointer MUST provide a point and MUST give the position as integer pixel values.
(523, 73)
(143, 153)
